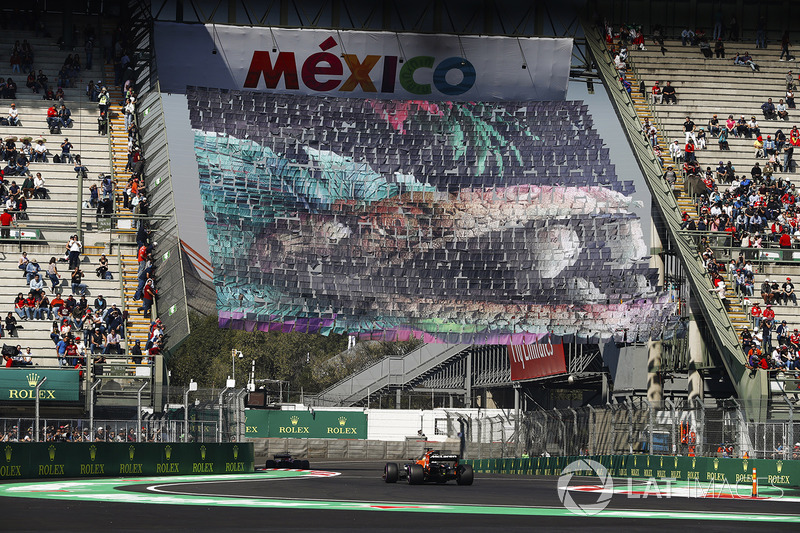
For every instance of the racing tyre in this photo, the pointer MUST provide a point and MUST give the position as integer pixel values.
(391, 473)
(465, 475)
(271, 464)
(416, 475)
(304, 465)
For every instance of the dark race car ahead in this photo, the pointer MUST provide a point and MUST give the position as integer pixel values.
(433, 467)
(285, 460)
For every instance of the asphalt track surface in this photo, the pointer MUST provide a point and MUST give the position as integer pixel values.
(494, 502)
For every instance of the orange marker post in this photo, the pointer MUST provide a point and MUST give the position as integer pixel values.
(755, 484)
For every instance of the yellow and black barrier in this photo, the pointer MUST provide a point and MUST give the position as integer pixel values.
(778, 472)
(87, 459)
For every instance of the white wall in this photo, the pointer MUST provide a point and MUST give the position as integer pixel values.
(399, 424)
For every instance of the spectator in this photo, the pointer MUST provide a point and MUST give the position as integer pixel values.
(66, 146)
(688, 37)
(688, 130)
(5, 224)
(656, 95)
(10, 89)
(39, 190)
(675, 152)
(11, 325)
(103, 102)
(713, 126)
(746, 60)
(65, 115)
(78, 287)
(719, 49)
(102, 270)
(785, 44)
(669, 94)
(40, 151)
(788, 292)
(768, 108)
(31, 269)
(53, 275)
(128, 110)
(32, 83)
(781, 110)
(74, 247)
(113, 340)
(23, 262)
(52, 117)
(37, 286)
(80, 168)
(13, 115)
(148, 296)
(21, 306)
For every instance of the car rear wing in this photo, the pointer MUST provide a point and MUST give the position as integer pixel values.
(442, 458)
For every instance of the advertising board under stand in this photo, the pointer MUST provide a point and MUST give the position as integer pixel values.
(19, 384)
(25, 460)
(305, 424)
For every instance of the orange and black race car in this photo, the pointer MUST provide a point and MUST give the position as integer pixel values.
(433, 467)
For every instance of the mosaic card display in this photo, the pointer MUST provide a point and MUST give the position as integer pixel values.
(459, 222)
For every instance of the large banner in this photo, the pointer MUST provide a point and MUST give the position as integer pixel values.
(454, 222)
(536, 360)
(62, 385)
(305, 424)
(379, 65)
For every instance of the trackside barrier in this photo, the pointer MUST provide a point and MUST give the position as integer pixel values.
(775, 472)
(27, 460)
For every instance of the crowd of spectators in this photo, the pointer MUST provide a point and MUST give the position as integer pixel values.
(70, 432)
(758, 208)
(82, 331)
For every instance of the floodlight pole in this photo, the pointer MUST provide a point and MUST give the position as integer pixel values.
(139, 411)
(221, 395)
(38, 385)
(91, 407)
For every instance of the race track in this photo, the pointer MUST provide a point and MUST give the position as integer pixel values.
(351, 496)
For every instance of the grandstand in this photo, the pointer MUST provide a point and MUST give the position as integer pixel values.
(66, 211)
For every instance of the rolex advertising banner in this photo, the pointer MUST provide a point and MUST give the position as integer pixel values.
(26, 460)
(304, 424)
(362, 64)
(703, 470)
(62, 385)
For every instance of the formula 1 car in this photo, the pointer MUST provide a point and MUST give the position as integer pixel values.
(433, 467)
(285, 460)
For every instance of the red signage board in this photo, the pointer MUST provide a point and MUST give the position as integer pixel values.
(530, 361)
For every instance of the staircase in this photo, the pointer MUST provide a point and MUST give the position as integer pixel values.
(126, 226)
(389, 373)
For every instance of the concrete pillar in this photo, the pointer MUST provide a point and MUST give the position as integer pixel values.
(655, 386)
(656, 248)
(697, 350)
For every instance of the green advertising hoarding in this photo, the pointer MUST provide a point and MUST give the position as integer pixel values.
(19, 384)
(660, 467)
(305, 424)
(25, 460)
